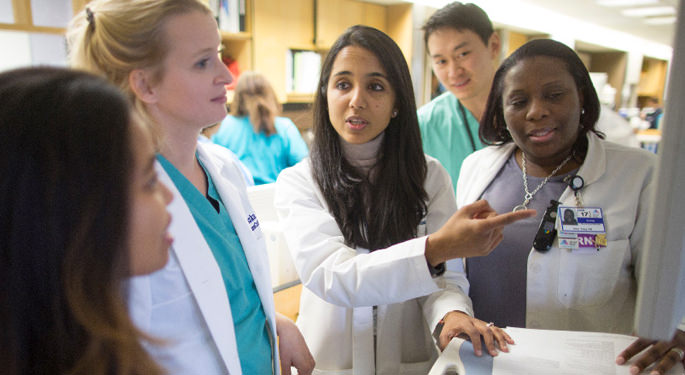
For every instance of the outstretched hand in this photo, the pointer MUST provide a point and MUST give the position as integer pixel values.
(663, 354)
(474, 230)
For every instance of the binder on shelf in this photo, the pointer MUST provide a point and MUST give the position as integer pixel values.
(241, 16)
(303, 69)
(229, 17)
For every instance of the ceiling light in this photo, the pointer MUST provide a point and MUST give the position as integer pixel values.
(659, 20)
(647, 12)
(626, 3)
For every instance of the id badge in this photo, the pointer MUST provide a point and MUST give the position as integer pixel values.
(581, 228)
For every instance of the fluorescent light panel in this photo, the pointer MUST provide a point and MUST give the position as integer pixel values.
(659, 20)
(650, 11)
(626, 3)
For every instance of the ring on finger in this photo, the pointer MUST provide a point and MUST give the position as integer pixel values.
(490, 325)
(679, 352)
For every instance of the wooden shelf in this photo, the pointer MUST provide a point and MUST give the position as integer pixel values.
(296, 97)
(228, 36)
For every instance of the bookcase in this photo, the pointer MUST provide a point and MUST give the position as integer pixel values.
(281, 27)
(23, 17)
(275, 27)
(652, 79)
(236, 39)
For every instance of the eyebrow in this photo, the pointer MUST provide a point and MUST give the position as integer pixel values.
(207, 50)
(548, 85)
(372, 74)
(457, 47)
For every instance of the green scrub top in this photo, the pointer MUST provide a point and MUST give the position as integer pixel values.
(249, 320)
(444, 134)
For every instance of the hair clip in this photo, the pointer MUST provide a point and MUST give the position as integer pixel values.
(90, 17)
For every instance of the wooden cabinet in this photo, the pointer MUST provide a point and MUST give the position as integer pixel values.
(23, 17)
(334, 16)
(280, 26)
(652, 79)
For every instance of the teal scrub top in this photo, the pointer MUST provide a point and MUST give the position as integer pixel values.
(264, 155)
(444, 134)
(249, 320)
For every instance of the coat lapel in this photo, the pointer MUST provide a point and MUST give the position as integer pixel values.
(247, 227)
(203, 276)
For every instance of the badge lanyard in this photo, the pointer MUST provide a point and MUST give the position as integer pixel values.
(576, 183)
(466, 124)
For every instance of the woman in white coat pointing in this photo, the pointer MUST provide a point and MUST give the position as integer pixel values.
(356, 215)
(212, 304)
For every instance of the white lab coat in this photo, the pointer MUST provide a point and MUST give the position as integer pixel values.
(186, 303)
(342, 284)
(584, 292)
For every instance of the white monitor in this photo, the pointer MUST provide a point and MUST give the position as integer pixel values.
(661, 290)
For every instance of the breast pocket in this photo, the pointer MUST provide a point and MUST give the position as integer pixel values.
(589, 280)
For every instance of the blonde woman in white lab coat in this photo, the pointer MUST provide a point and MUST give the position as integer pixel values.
(212, 304)
(356, 215)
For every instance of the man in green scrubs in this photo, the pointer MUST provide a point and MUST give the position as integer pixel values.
(464, 52)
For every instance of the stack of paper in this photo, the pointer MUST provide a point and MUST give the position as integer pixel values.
(543, 352)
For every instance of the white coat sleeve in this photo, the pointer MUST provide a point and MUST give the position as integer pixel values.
(338, 273)
(453, 294)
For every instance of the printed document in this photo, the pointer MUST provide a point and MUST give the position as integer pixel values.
(543, 352)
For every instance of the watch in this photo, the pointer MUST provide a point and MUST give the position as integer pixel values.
(437, 270)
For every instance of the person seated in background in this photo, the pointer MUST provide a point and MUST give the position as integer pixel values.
(265, 142)
(652, 112)
(204, 138)
(540, 124)
(370, 221)
(81, 209)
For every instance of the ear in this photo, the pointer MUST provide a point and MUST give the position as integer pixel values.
(141, 84)
(494, 45)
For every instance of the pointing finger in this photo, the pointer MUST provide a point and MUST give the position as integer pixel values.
(508, 218)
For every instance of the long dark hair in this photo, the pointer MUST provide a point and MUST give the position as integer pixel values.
(493, 128)
(65, 160)
(396, 199)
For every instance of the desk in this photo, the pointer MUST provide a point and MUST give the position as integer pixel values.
(288, 301)
(649, 139)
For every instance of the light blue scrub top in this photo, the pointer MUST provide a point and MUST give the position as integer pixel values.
(264, 155)
(249, 320)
